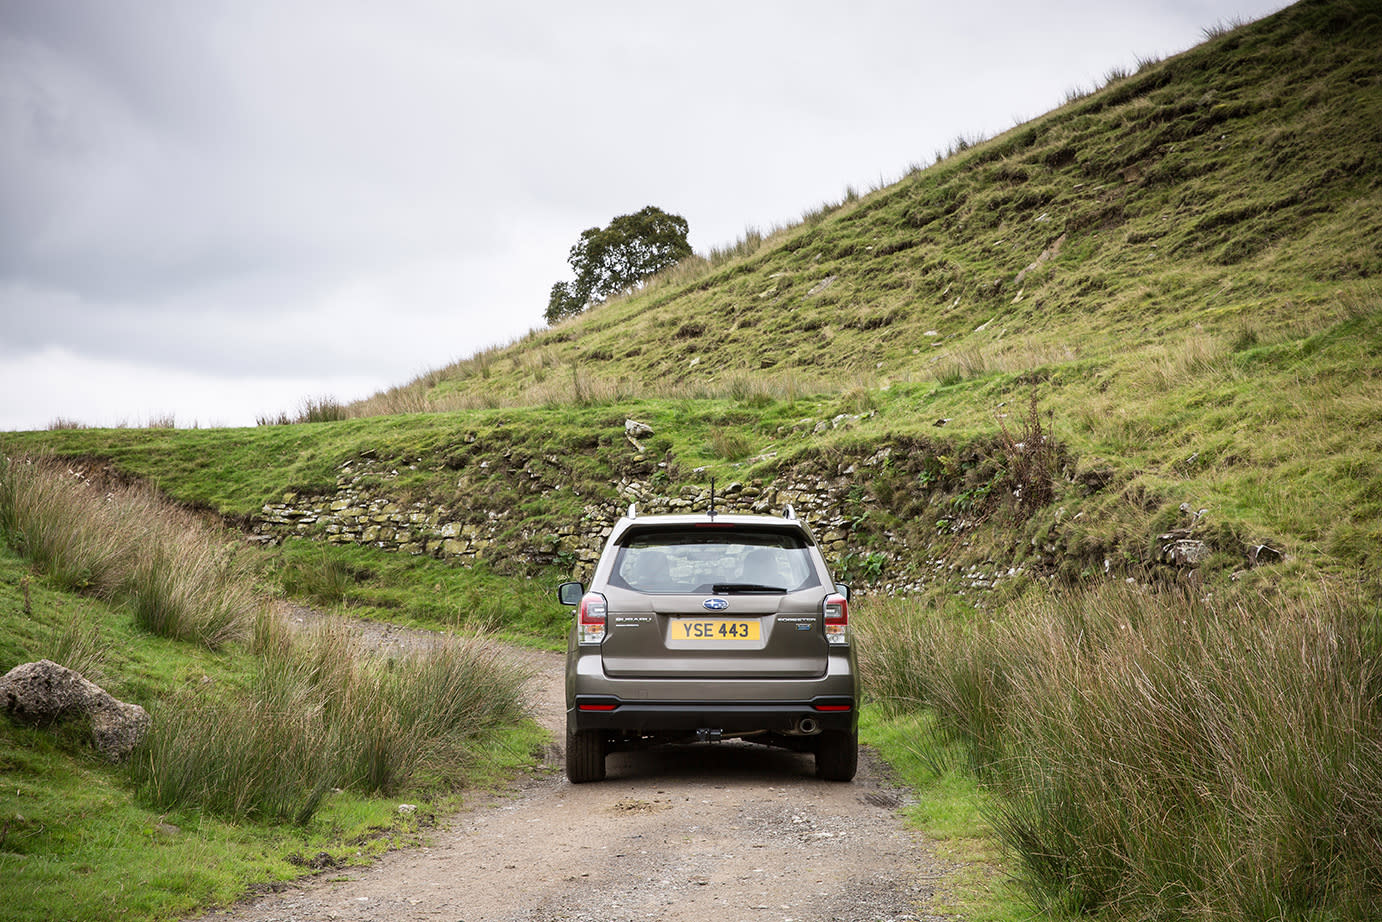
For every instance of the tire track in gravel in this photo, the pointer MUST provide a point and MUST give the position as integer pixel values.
(729, 831)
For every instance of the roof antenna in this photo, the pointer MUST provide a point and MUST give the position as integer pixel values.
(712, 499)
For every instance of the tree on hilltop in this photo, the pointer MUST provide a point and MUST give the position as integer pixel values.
(619, 258)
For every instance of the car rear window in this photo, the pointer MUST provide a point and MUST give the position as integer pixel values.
(714, 559)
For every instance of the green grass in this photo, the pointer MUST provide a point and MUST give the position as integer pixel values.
(950, 810)
(418, 591)
(190, 822)
(1158, 755)
(322, 714)
(78, 846)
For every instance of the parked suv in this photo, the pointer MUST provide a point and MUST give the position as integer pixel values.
(709, 627)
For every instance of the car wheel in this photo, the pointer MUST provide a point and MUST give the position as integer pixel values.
(585, 756)
(837, 755)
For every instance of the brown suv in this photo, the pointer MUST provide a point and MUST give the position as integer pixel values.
(707, 627)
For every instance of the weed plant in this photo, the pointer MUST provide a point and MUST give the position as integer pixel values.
(1163, 756)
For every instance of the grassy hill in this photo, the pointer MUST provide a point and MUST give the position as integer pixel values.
(1228, 192)
(1150, 316)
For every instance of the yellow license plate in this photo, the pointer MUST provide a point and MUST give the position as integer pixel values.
(704, 629)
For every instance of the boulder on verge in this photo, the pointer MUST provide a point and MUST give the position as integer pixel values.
(43, 693)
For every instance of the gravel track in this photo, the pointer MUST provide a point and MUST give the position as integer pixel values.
(728, 831)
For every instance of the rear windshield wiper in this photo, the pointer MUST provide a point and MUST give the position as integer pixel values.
(745, 587)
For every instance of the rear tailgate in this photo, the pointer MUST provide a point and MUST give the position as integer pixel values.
(738, 635)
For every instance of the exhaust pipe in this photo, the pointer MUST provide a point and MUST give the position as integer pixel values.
(807, 726)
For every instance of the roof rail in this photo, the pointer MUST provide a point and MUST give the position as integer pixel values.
(633, 510)
(789, 512)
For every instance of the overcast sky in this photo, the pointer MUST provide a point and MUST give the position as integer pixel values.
(214, 209)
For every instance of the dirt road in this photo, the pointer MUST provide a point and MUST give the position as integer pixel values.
(726, 832)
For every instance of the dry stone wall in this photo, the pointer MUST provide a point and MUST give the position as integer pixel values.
(877, 511)
(892, 517)
(363, 510)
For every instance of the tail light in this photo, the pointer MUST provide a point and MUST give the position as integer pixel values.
(590, 619)
(836, 610)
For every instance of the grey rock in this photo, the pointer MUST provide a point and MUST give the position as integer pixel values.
(1185, 552)
(44, 693)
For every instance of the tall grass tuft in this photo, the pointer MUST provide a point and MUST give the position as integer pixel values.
(321, 410)
(60, 423)
(60, 523)
(960, 366)
(77, 643)
(182, 586)
(311, 410)
(322, 713)
(126, 545)
(1166, 756)
(746, 246)
(1222, 27)
(323, 578)
(728, 443)
(949, 664)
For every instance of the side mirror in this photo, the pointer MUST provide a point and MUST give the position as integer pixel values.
(570, 594)
(843, 590)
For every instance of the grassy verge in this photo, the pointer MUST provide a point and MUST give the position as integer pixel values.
(418, 591)
(322, 714)
(950, 808)
(1161, 756)
(270, 756)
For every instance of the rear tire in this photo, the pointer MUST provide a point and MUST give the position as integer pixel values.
(837, 755)
(585, 756)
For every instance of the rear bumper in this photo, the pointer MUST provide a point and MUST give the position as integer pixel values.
(729, 717)
(744, 704)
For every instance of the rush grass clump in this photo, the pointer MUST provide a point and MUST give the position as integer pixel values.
(126, 545)
(323, 713)
(1165, 756)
